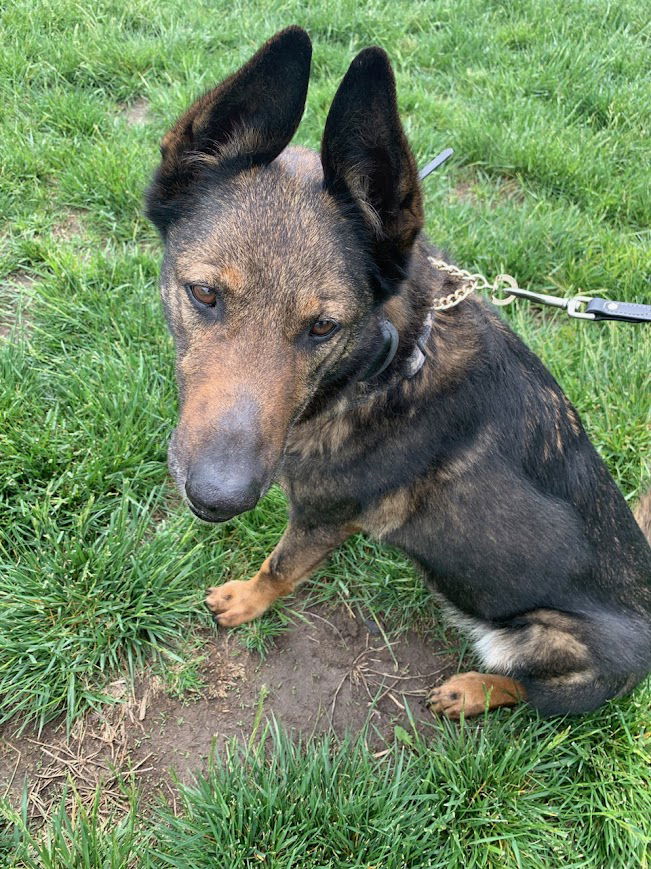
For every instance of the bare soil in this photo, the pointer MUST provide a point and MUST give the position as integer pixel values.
(508, 190)
(70, 225)
(465, 192)
(135, 114)
(332, 671)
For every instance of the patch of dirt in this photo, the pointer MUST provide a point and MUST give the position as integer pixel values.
(509, 189)
(13, 298)
(69, 226)
(467, 191)
(136, 114)
(330, 671)
(464, 191)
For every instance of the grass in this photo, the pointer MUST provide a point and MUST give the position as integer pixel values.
(503, 794)
(547, 107)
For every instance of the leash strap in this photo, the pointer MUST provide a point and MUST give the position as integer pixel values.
(435, 163)
(626, 312)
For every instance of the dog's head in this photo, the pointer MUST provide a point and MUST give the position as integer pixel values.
(276, 263)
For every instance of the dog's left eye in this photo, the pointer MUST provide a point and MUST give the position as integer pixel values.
(323, 328)
(204, 295)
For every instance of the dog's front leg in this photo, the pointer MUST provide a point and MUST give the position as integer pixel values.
(298, 554)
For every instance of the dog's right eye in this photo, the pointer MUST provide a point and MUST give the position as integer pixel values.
(204, 295)
(323, 329)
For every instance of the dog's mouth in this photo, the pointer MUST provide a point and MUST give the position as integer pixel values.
(205, 516)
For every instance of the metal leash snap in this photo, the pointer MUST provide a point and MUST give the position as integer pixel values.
(573, 307)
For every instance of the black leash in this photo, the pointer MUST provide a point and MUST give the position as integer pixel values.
(625, 312)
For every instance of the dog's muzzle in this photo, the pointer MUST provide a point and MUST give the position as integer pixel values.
(222, 469)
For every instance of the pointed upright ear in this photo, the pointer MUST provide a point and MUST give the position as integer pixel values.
(245, 121)
(367, 160)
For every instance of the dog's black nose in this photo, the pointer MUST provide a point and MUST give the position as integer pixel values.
(216, 496)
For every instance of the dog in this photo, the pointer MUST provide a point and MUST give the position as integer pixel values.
(299, 290)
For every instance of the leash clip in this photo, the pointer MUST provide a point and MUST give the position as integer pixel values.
(508, 284)
(573, 307)
(581, 307)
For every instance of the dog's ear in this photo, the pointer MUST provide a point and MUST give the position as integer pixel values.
(245, 121)
(367, 160)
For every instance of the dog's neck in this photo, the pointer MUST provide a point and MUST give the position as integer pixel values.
(407, 320)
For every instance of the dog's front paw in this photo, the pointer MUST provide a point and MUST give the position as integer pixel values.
(237, 602)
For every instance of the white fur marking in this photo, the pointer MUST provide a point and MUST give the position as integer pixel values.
(495, 646)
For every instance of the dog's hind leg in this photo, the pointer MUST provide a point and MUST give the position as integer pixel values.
(299, 552)
(560, 663)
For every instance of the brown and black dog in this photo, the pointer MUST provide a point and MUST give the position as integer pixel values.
(299, 293)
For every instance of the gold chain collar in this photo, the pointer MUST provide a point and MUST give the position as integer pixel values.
(470, 283)
(574, 306)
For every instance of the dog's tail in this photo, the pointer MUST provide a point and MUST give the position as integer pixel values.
(642, 513)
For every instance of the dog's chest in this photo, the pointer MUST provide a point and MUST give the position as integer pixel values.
(320, 439)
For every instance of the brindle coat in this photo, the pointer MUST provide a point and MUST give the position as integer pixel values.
(279, 269)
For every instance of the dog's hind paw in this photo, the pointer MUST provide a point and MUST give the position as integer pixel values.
(472, 693)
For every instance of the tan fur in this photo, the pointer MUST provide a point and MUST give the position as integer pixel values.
(304, 162)
(389, 513)
(396, 311)
(549, 637)
(326, 437)
(456, 467)
(208, 397)
(573, 418)
(471, 693)
(233, 278)
(557, 410)
(240, 601)
(580, 677)
(642, 513)
(502, 649)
